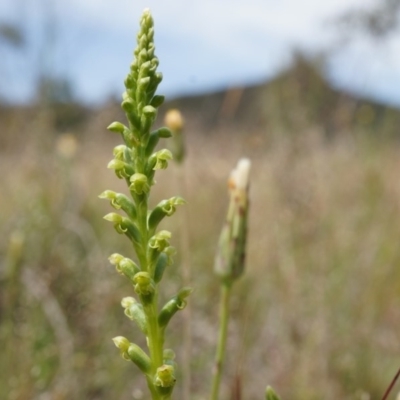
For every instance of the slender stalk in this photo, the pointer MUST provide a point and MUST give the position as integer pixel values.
(223, 333)
(389, 389)
(182, 183)
(154, 336)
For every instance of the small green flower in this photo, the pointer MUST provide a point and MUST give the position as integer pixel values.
(121, 168)
(160, 241)
(139, 184)
(160, 159)
(165, 376)
(144, 285)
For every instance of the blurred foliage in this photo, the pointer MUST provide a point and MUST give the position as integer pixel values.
(11, 34)
(378, 20)
(316, 314)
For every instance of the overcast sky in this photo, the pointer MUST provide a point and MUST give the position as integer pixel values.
(202, 45)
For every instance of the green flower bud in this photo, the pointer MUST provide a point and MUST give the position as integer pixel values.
(144, 68)
(165, 376)
(142, 55)
(120, 201)
(161, 264)
(140, 358)
(155, 81)
(144, 285)
(134, 311)
(122, 344)
(128, 105)
(117, 127)
(155, 137)
(124, 266)
(149, 113)
(157, 100)
(152, 143)
(125, 226)
(139, 184)
(130, 84)
(143, 84)
(270, 394)
(143, 42)
(164, 133)
(177, 303)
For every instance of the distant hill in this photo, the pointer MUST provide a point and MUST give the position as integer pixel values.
(299, 98)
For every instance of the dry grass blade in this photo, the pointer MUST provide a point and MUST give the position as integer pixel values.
(389, 389)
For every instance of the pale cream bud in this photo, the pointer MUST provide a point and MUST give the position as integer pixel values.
(174, 120)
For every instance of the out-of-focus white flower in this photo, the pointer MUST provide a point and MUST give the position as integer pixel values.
(238, 182)
(239, 178)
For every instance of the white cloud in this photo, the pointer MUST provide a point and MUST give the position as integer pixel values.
(199, 43)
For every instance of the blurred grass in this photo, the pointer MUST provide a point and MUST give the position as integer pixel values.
(317, 314)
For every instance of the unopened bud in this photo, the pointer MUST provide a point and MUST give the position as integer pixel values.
(177, 303)
(229, 261)
(135, 312)
(125, 226)
(117, 127)
(163, 209)
(139, 357)
(120, 201)
(122, 344)
(124, 266)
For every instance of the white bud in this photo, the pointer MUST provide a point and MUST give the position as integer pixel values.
(239, 178)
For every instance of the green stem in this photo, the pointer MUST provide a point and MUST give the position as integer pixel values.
(155, 342)
(220, 354)
(154, 335)
(155, 338)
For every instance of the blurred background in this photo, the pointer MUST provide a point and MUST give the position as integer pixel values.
(310, 91)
